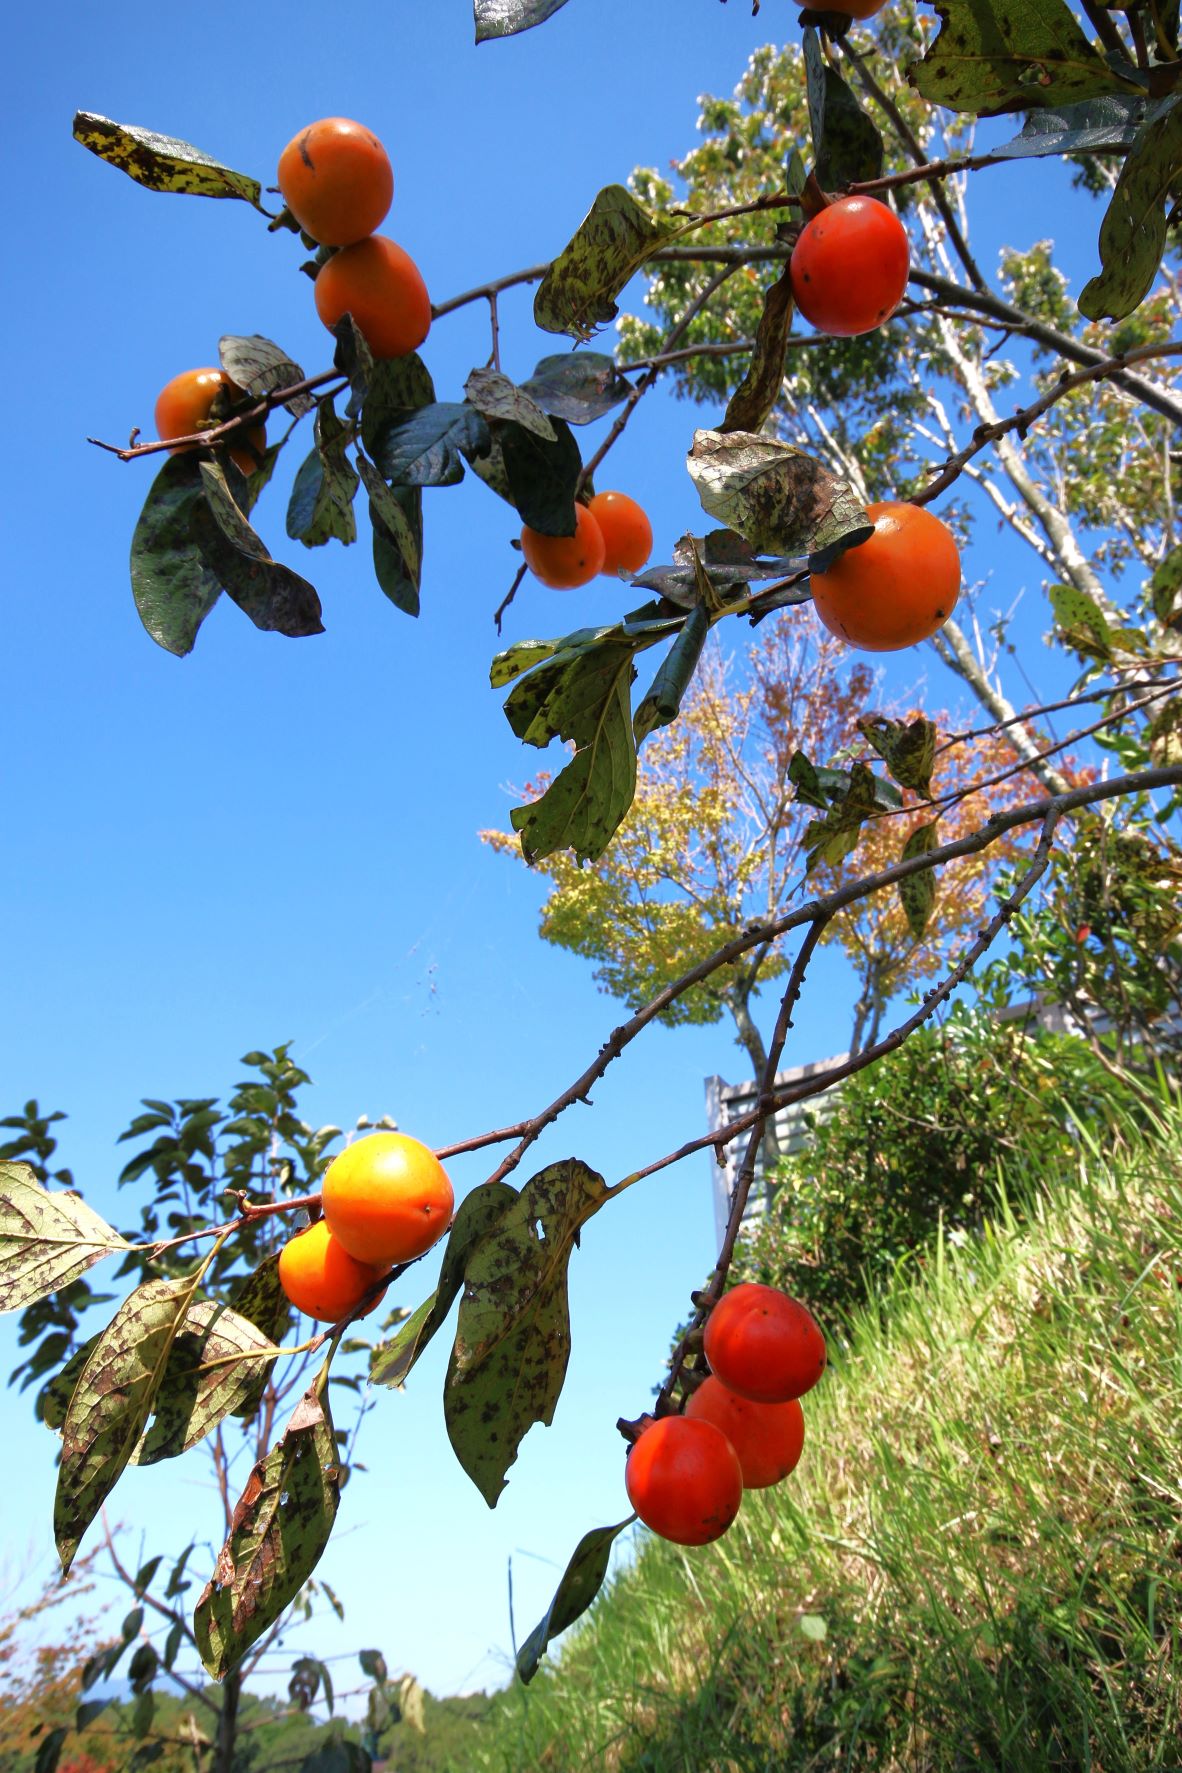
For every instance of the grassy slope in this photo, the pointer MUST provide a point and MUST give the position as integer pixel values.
(988, 1520)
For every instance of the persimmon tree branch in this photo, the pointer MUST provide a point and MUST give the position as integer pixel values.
(229, 427)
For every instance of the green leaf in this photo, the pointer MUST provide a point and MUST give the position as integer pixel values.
(918, 891)
(504, 18)
(398, 386)
(276, 599)
(260, 367)
(542, 476)
(389, 554)
(173, 586)
(661, 704)
(1107, 124)
(813, 1627)
(281, 1526)
(427, 447)
(1133, 232)
(577, 386)
(373, 1664)
(757, 393)
(321, 505)
(513, 1335)
(990, 58)
(584, 696)
(476, 1215)
(780, 500)
(495, 397)
(1165, 589)
(46, 1239)
(832, 838)
(847, 146)
(354, 359)
(581, 1582)
(49, 1749)
(111, 1404)
(55, 1398)
(909, 752)
(394, 516)
(191, 1402)
(616, 237)
(816, 786)
(1081, 622)
(160, 161)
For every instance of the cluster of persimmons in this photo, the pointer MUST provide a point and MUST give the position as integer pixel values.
(387, 1199)
(848, 270)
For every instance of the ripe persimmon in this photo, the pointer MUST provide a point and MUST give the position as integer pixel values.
(321, 1278)
(183, 406)
(562, 562)
(684, 1480)
(336, 180)
(768, 1438)
(627, 532)
(382, 287)
(849, 269)
(763, 1344)
(387, 1199)
(855, 8)
(896, 588)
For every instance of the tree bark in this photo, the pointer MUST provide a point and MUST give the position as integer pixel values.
(738, 1001)
(227, 1736)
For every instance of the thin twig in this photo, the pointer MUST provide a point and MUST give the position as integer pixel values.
(228, 427)
(510, 594)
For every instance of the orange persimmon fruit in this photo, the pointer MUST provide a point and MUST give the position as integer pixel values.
(321, 1278)
(850, 266)
(387, 1199)
(763, 1344)
(684, 1480)
(183, 406)
(382, 287)
(563, 562)
(768, 1438)
(336, 179)
(627, 532)
(895, 589)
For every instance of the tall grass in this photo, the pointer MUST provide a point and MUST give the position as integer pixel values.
(978, 1563)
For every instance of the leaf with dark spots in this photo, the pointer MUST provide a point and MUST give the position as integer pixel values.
(387, 509)
(581, 1582)
(816, 785)
(542, 476)
(321, 505)
(615, 238)
(1081, 622)
(354, 359)
(215, 1363)
(728, 561)
(582, 694)
(909, 751)
(779, 499)
(160, 162)
(990, 58)
(111, 1403)
(578, 386)
(281, 1526)
(513, 1335)
(1133, 232)
(846, 144)
(390, 554)
(918, 891)
(759, 390)
(275, 598)
(55, 1398)
(261, 367)
(505, 18)
(1165, 589)
(832, 838)
(427, 447)
(1107, 125)
(476, 1215)
(491, 469)
(173, 586)
(397, 387)
(47, 1238)
(495, 397)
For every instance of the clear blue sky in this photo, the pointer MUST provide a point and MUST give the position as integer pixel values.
(276, 840)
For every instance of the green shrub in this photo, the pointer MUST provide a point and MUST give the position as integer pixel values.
(915, 1143)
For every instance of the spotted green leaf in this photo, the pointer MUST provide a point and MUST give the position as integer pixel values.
(47, 1239)
(215, 1362)
(615, 238)
(918, 891)
(160, 162)
(581, 1582)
